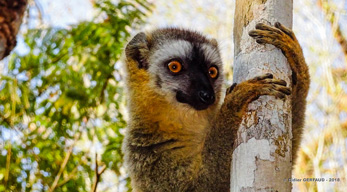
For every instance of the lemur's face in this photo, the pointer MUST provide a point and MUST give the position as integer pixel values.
(184, 66)
(189, 72)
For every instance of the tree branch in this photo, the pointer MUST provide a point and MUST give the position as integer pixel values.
(69, 177)
(63, 165)
(97, 173)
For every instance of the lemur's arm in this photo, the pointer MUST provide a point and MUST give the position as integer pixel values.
(284, 39)
(219, 142)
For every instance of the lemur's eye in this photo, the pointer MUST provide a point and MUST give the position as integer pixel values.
(213, 72)
(175, 66)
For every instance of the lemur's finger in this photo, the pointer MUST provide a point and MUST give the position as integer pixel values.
(280, 95)
(275, 81)
(273, 90)
(255, 33)
(265, 27)
(261, 33)
(284, 90)
(278, 42)
(231, 88)
(268, 76)
(287, 31)
(262, 77)
(261, 41)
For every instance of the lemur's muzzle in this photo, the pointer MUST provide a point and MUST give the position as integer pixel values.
(206, 97)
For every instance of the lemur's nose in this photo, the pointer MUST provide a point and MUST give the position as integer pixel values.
(206, 97)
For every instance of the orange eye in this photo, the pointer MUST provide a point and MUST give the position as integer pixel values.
(213, 72)
(175, 66)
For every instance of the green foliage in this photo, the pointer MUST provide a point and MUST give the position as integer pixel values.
(64, 98)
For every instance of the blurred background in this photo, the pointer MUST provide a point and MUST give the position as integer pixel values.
(62, 102)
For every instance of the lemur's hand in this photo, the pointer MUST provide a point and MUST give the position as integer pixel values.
(239, 95)
(262, 85)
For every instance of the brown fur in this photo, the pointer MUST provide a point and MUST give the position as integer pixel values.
(173, 147)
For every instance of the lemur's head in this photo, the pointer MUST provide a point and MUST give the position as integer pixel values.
(184, 66)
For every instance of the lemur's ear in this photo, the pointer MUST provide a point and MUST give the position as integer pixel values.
(137, 50)
(214, 42)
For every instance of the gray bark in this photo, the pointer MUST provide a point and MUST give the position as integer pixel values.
(262, 158)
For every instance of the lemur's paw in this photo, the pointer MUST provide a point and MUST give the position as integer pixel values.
(279, 36)
(239, 95)
(266, 85)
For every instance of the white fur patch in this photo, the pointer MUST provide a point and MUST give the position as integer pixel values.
(212, 55)
(171, 49)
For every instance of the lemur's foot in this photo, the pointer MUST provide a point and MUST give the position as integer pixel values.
(279, 36)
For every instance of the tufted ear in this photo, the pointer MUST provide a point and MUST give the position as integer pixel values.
(137, 50)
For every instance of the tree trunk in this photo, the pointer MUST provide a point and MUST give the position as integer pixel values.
(11, 14)
(262, 157)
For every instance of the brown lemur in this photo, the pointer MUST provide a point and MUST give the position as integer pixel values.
(180, 134)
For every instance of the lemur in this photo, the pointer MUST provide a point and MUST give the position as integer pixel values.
(180, 133)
